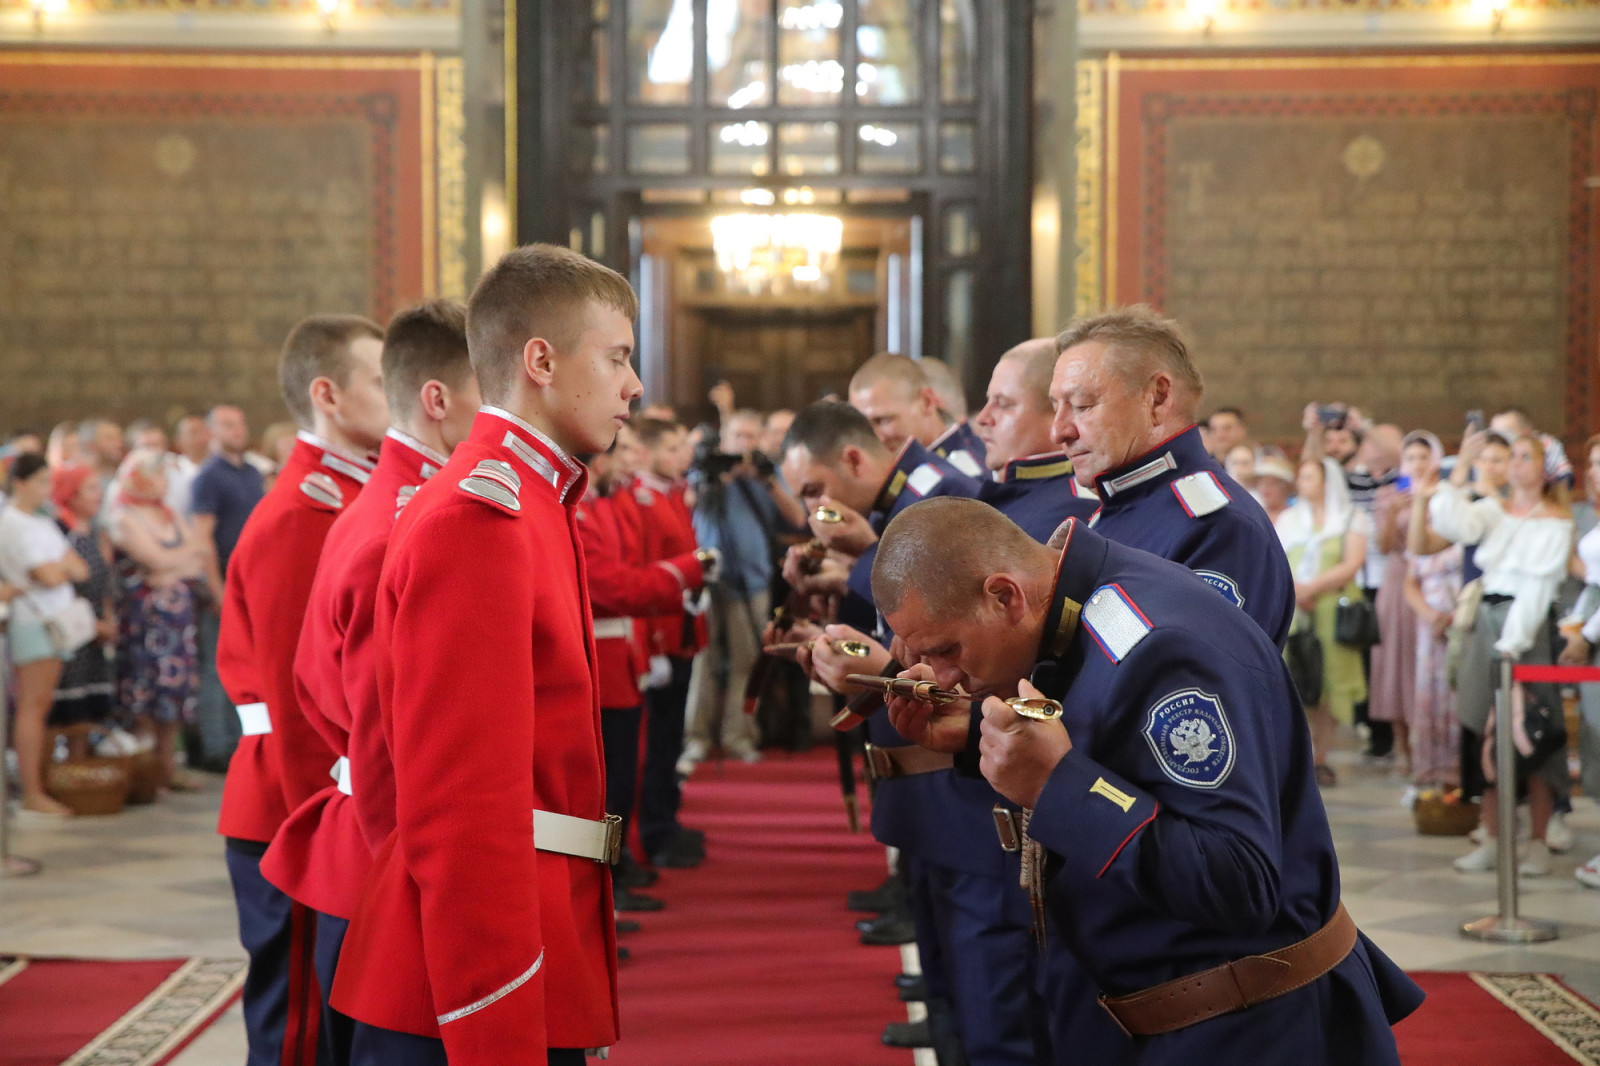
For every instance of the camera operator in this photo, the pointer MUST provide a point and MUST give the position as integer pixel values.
(739, 507)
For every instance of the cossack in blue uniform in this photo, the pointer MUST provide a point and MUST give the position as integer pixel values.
(1184, 829)
(962, 448)
(1038, 493)
(1177, 502)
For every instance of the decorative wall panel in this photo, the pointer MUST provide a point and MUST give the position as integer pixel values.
(165, 219)
(1411, 234)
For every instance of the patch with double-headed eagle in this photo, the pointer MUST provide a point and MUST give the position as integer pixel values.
(323, 490)
(497, 482)
(1189, 734)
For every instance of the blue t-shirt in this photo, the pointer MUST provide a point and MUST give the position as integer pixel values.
(228, 493)
(740, 532)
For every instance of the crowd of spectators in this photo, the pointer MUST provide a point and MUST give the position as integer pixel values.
(1416, 575)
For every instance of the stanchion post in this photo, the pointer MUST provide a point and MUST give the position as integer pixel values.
(1506, 927)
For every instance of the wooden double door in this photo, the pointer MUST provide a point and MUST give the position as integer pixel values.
(783, 357)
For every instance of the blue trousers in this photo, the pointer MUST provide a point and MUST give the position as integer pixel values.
(281, 1000)
(336, 1028)
(619, 740)
(660, 793)
(984, 931)
(385, 1047)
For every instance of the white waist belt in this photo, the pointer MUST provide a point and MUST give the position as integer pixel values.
(583, 837)
(609, 628)
(254, 719)
(341, 774)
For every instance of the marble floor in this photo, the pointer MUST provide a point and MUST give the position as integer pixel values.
(151, 883)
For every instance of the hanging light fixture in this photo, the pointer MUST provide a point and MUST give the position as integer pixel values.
(768, 254)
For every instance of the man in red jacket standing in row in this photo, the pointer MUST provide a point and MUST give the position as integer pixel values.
(485, 935)
(330, 375)
(321, 856)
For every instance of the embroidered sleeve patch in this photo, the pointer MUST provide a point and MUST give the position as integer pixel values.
(1201, 494)
(1223, 584)
(323, 490)
(924, 479)
(495, 481)
(963, 461)
(1116, 624)
(1188, 733)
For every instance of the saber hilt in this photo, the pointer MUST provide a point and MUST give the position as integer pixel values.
(1037, 708)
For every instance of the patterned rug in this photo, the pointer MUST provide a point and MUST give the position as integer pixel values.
(93, 1012)
(1519, 1019)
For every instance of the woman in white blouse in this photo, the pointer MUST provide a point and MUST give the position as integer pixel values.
(1582, 630)
(1523, 545)
(35, 558)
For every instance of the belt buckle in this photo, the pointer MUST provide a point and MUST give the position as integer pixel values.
(879, 766)
(1005, 824)
(613, 839)
(1105, 1004)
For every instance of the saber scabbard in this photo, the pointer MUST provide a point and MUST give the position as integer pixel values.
(1038, 708)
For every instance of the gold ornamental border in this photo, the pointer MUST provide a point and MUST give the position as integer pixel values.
(442, 126)
(1115, 64)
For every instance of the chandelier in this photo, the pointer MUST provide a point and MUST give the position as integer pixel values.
(774, 254)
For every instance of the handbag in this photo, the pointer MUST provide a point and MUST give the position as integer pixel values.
(70, 628)
(1355, 622)
(1302, 652)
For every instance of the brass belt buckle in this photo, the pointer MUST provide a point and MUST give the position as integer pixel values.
(613, 839)
(879, 766)
(1005, 824)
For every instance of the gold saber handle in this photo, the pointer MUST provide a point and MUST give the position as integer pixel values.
(1036, 708)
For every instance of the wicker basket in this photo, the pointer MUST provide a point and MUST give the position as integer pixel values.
(1436, 818)
(144, 777)
(90, 785)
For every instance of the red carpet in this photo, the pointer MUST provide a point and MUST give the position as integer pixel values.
(90, 1012)
(756, 959)
(1465, 1024)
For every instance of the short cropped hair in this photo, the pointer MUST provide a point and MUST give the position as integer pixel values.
(944, 549)
(887, 366)
(319, 347)
(538, 290)
(1234, 411)
(827, 427)
(1142, 342)
(652, 431)
(942, 380)
(1038, 359)
(426, 342)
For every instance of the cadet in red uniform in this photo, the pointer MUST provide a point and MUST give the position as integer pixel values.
(330, 375)
(622, 587)
(322, 853)
(676, 637)
(485, 935)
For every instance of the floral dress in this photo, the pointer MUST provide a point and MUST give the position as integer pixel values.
(86, 690)
(158, 668)
(1435, 729)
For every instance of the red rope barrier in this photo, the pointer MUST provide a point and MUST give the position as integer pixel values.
(1560, 675)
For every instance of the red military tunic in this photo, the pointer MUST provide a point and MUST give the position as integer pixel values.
(622, 587)
(323, 852)
(281, 761)
(668, 530)
(490, 701)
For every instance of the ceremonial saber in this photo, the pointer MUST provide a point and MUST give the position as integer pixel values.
(791, 650)
(1037, 708)
(844, 744)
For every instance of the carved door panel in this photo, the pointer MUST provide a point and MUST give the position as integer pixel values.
(784, 357)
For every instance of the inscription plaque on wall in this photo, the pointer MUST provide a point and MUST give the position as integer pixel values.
(1411, 233)
(157, 246)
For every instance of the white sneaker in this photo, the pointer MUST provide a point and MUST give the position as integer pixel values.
(1558, 835)
(1408, 798)
(1480, 860)
(694, 753)
(1536, 862)
(1588, 874)
(1478, 835)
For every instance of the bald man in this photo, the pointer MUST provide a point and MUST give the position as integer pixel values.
(1177, 832)
(901, 400)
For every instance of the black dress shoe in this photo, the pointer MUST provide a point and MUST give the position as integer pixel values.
(630, 874)
(623, 954)
(907, 1035)
(889, 930)
(697, 836)
(628, 925)
(877, 900)
(916, 992)
(681, 854)
(627, 900)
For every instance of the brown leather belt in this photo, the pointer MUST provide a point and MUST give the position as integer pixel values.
(884, 764)
(1235, 985)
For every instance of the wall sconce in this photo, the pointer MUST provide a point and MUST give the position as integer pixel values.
(41, 8)
(330, 10)
(1204, 13)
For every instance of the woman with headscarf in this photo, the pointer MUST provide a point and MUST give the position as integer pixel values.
(1524, 543)
(1326, 540)
(160, 564)
(1432, 587)
(86, 690)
